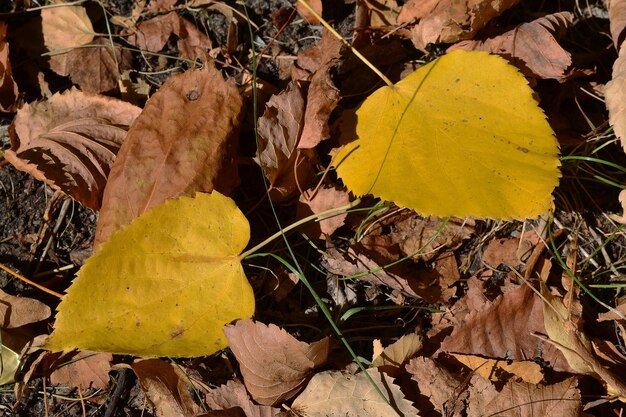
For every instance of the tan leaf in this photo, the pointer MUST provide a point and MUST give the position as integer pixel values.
(8, 86)
(392, 359)
(435, 382)
(280, 127)
(166, 387)
(533, 47)
(492, 369)
(615, 93)
(234, 394)
(504, 328)
(20, 311)
(274, 365)
(324, 199)
(65, 27)
(93, 68)
(70, 142)
(449, 21)
(153, 34)
(617, 20)
(184, 141)
(306, 14)
(528, 400)
(84, 370)
(334, 393)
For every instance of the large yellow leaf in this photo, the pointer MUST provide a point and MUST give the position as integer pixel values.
(162, 286)
(460, 136)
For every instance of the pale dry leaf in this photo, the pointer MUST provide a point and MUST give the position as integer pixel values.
(274, 364)
(617, 20)
(383, 13)
(521, 399)
(614, 95)
(325, 198)
(336, 393)
(493, 369)
(316, 5)
(167, 388)
(286, 168)
(8, 86)
(234, 394)
(416, 9)
(504, 329)
(153, 34)
(184, 141)
(392, 359)
(84, 370)
(94, 68)
(20, 311)
(449, 21)
(502, 252)
(65, 27)
(70, 141)
(533, 47)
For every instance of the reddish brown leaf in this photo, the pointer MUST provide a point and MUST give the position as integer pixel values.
(184, 141)
(274, 365)
(84, 370)
(70, 142)
(279, 129)
(531, 46)
(166, 387)
(504, 329)
(449, 21)
(93, 68)
(324, 199)
(8, 87)
(234, 394)
(306, 14)
(20, 311)
(153, 34)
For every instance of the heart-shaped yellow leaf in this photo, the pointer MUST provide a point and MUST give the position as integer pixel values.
(460, 136)
(162, 286)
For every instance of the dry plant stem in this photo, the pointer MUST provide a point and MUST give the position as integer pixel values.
(26, 280)
(345, 42)
(318, 216)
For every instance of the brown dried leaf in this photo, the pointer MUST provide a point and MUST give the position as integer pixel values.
(314, 65)
(615, 96)
(392, 359)
(183, 142)
(533, 46)
(166, 387)
(434, 381)
(493, 369)
(504, 328)
(8, 86)
(93, 68)
(335, 393)
(20, 311)
(274, 365)
(306, 14)
(65, 27)
(84, 370)
(280, 127)
(449, 21)
(522, 399)
(324, 199)
(70, 142)
(617, 19)
(153, 34)
(234, 394)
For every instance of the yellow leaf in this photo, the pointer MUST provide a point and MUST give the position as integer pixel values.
(460, 136)
(162, 286)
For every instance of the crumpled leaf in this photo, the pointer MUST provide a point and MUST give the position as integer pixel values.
(325, 198)
(65, 27)
(70, 142)
(274, 364)
(167, 388)
(153, 34)
(448, 21)
(531, 46)
(8, 86)
(83, 370)
(392, 359)
(335, 393)
(20, 311)
(615, 90)
(460, 136)
(162, 286)
(234, 394)
(184, 141)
